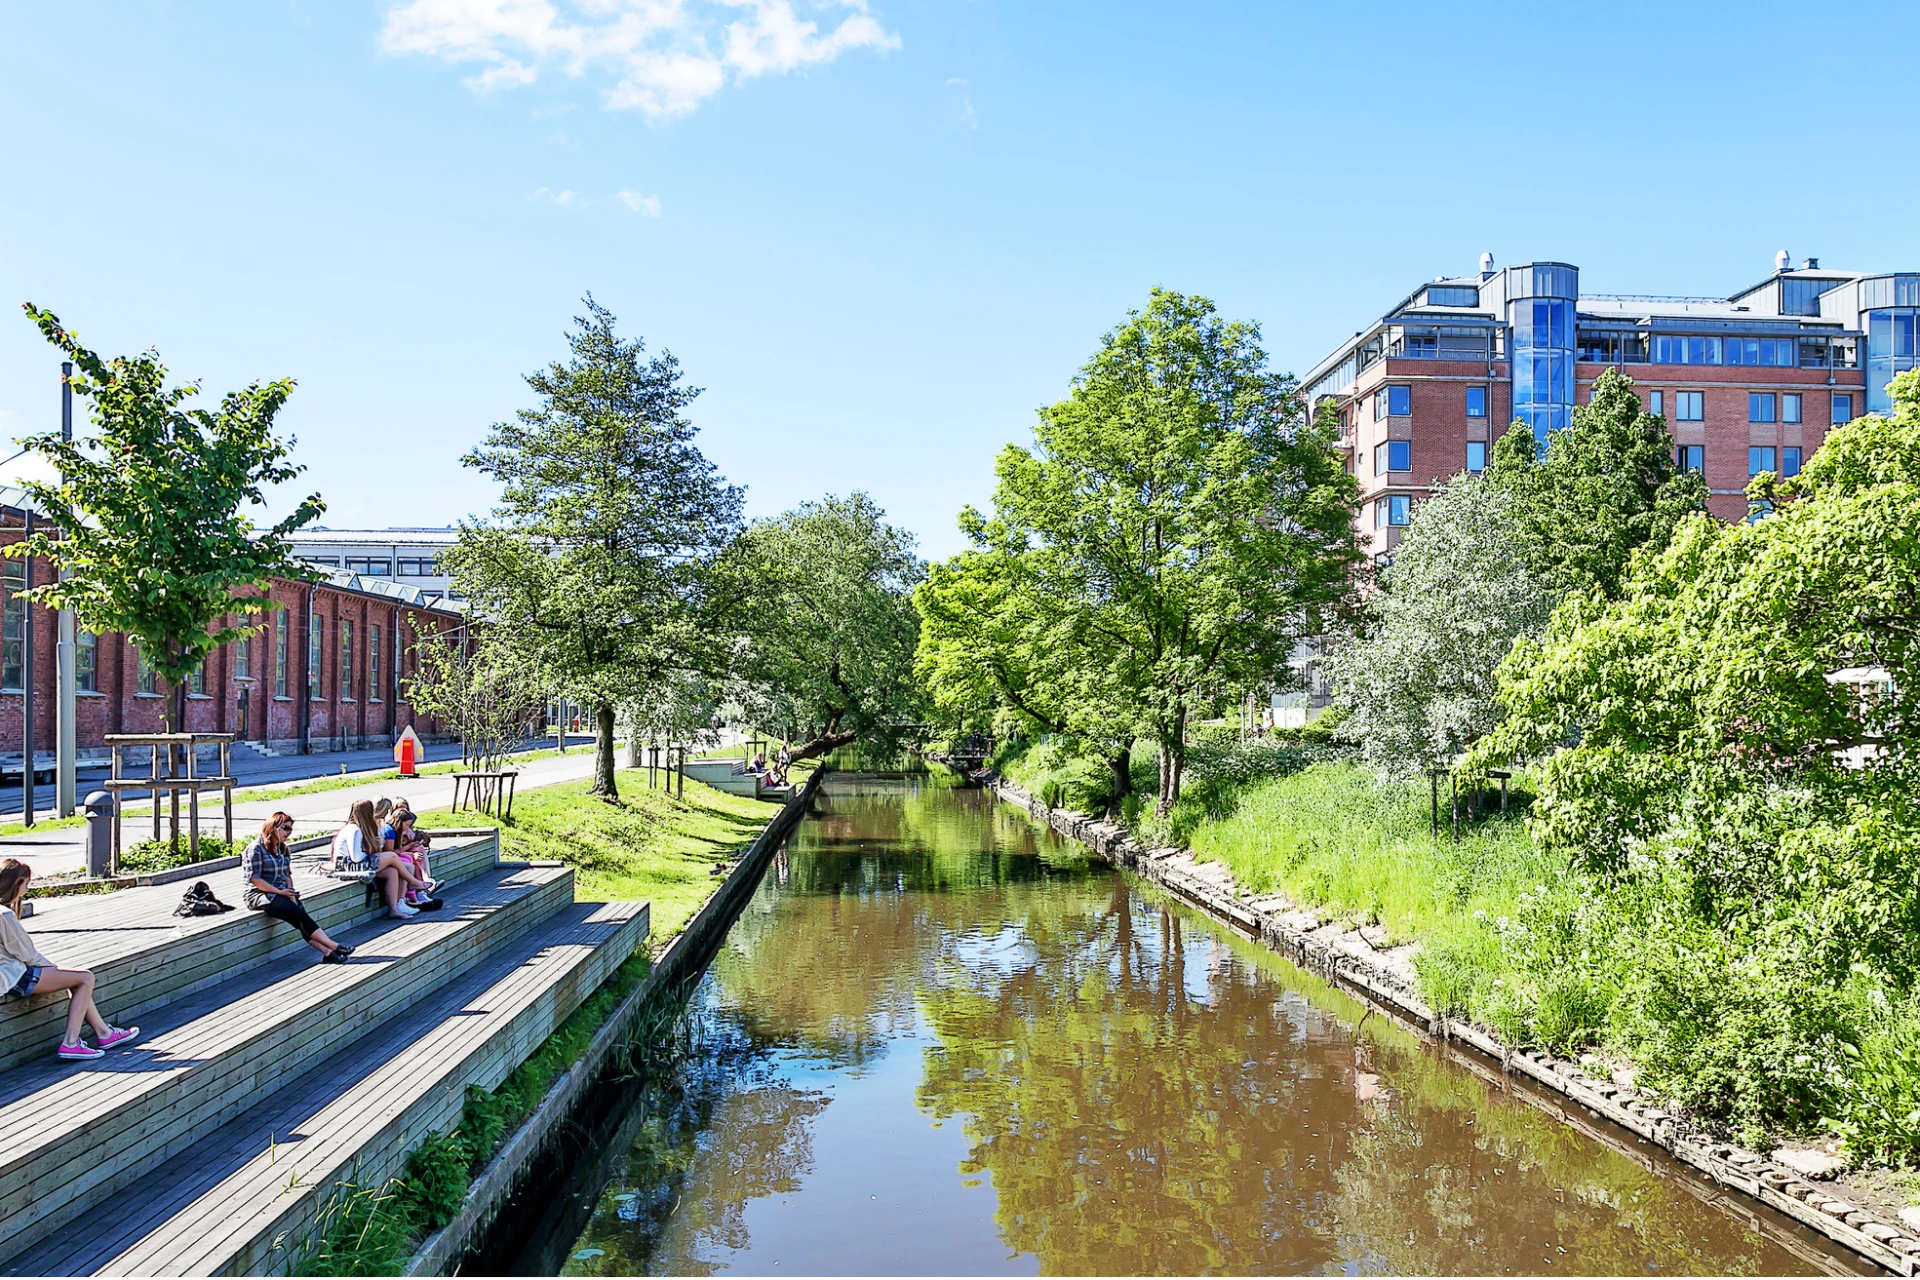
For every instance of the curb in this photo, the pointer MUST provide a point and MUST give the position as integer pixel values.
(1779, 1188)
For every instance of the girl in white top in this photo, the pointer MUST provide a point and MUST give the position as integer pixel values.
(25, 972)
(359, 846)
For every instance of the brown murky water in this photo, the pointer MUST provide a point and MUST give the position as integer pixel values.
(941, 1041)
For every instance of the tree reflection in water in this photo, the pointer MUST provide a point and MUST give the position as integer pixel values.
(1144, 1091)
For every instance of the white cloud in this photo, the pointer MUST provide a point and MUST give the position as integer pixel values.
(566, 199)
(666, 56)
(646, 206)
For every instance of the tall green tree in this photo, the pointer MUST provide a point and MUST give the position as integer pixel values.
(153, 539)
(598, 562)
(1604, 487)
(1180, 514)
(822, 596)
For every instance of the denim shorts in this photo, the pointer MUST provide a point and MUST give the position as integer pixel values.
(28, 981)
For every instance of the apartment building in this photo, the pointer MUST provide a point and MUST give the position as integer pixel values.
(1747, 383)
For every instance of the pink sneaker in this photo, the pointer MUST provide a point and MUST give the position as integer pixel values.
(79, 1052)
(118, 1035)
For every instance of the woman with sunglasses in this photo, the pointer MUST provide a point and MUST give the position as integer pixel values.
(269, 867)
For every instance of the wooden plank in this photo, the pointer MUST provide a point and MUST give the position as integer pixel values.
(143, 955)
(70, 1134)
(221, 1203)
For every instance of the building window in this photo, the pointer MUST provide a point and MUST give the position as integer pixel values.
(1599, 348)
(1760, 406)
(378, 566)
(1476, 402)
(373, 662)
(243, 658)
(1669, 349)
(1790, 460)
(345, 679)
(1691, 457)
(1392, 510)
(1690, 406)
(314, 637)
(1399, 401)
(85, 650)
(419, 568)
(1768, 352)
(1476, 455)
(1790, 406)
(1802, 297)
(1379, 404)
(1842, 407)
(144, 681)
(1759, 458)
(13, 632)
(197, 679)
(1453, 295)
(1657, 402)
(1393, 455)
(279, 653)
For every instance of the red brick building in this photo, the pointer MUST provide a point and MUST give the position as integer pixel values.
(325, 671)
(1748, 383)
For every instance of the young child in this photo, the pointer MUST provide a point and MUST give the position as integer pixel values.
(410, 845)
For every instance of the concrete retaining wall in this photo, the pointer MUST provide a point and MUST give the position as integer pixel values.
(1344, 954)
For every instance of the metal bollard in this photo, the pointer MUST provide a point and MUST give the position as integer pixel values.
(99, 810)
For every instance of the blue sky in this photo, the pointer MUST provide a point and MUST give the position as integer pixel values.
(880, 240)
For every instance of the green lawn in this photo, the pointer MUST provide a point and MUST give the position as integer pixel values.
(649, 847)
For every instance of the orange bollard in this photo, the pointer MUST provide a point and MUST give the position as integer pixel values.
(407, 752)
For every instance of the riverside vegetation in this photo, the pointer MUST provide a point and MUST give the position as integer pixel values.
(1712, 870)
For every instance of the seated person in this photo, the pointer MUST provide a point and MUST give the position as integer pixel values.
(269, 870)
(410, 845)
(357, 850)
(760, 762)
(25, 972)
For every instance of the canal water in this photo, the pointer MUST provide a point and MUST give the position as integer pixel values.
(940, 1040)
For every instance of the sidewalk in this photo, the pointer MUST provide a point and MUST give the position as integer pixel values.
(64, 849)
(254, 769)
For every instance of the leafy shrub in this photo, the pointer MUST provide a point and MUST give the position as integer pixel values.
(158, 855)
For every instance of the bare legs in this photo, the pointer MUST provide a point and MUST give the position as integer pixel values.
(81, 1006)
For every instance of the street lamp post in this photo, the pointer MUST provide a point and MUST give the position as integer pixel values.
(66, 740)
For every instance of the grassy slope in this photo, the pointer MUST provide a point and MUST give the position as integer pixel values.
(648, 847)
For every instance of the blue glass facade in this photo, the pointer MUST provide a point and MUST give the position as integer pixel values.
(1890, 351)
(1540, 316)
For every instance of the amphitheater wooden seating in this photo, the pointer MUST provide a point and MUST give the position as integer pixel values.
(263, 1078)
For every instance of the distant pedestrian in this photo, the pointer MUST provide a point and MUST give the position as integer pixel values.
(269, 871)
(25, 972)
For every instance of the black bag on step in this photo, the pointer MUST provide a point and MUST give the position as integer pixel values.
(199, 901)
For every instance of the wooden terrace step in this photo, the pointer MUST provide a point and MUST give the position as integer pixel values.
(143, 956)
(244, 1198)
(73, 1133)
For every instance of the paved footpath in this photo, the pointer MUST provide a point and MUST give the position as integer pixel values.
(64, 849)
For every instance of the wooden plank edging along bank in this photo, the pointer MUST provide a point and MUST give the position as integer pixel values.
(686, 954)
(1276, 922)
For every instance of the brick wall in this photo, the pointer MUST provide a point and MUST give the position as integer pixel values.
(243, 696)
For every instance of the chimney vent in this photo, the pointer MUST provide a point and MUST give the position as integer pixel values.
(1811, 264)
(1782, 261)
(1486, 265)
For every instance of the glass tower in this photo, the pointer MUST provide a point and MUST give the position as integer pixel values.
(1540, 307)
(1891, 331)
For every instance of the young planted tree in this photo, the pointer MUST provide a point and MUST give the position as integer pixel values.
(153, 539)
(1180, 516)
(823, 597)
(609, 520)
(481, 690)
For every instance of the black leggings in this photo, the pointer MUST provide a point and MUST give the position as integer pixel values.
(293, 913)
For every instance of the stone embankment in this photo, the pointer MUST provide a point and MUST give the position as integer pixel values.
(1354, 958)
